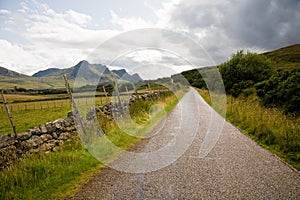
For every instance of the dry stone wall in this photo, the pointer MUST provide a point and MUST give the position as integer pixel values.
(43, 138)
(47, 137)
(115, 109)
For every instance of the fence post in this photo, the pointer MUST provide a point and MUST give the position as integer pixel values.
(150, 92)
(119, 99)
(76, 113)
(127, 92)
(105, 94)
(73, 104)
(9, 115)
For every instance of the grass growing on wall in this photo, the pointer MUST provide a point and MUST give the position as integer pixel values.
(269, 127)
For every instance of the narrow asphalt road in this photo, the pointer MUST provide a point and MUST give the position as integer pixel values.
(236, 168)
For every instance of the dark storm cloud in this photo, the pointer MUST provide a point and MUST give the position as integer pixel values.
(266, 24)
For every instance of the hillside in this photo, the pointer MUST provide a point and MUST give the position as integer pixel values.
(10, 73)
(52, 77)
(10, 79)
(286, 57)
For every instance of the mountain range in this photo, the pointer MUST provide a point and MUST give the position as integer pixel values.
(85, 73)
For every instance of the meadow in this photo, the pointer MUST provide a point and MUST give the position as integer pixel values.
(32, 110)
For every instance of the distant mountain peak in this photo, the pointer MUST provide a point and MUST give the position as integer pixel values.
(122, 74)
(83, 63)
(119, 72)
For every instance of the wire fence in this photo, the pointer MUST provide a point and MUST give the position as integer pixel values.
(41, 105)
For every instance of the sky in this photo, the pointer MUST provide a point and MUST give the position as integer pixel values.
(36, 35)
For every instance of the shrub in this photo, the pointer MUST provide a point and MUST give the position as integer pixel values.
(281, 90)
(242, 71)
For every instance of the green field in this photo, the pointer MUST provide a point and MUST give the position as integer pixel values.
(28, 114)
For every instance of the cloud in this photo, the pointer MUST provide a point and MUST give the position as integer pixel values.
(129, 23)
(20, 57)
(257, 24)
(4, 12)
(62, 39)
(50, 38)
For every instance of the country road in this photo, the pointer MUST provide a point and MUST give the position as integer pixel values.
(236, 168)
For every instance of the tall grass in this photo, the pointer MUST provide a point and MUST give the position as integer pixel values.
(268, 126)
(48, 176)
(145, 116)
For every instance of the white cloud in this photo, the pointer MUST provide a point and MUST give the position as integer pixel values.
(77, 18)
(145, 56)
(14, 56)
(165, 13)
(4, 12)
(61, 39)
(129, 23)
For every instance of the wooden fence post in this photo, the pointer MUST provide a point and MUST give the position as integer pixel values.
(151, 92)
(127, 92)
(76, 113)
(119, 99)
(9, 115)
(73, 104)
(105, 94)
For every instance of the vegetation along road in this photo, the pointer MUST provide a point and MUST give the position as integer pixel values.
(236, 168)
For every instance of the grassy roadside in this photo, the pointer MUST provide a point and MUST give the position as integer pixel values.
(48, 176)
(59, 174)
(268, 127)
(145, 116)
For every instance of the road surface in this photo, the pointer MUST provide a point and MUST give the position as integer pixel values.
(236, 168)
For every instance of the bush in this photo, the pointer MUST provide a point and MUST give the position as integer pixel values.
(281, 90)
(243, 71)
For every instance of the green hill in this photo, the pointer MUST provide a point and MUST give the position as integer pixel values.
(286, 57)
